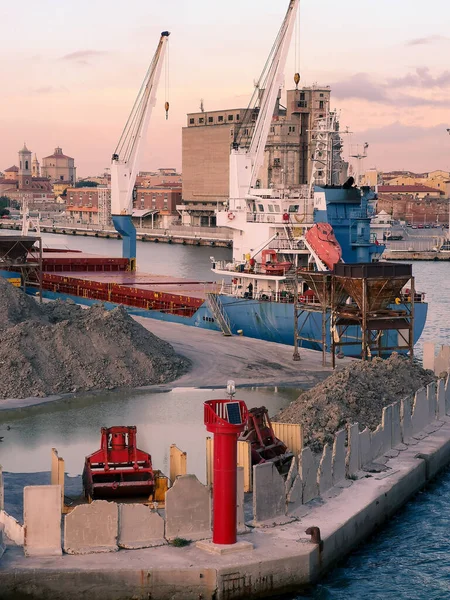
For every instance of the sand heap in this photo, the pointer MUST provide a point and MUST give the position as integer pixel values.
(59, 347)
(354, 394)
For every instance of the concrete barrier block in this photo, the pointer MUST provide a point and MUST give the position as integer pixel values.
(338, 459)
(396, 432)
(440, 399)
(428, 355)
(188, 509)
(377, 442)
(420, 417)
(42, 520)
(406, 419)
(447, 395)
(352, 460)
(364, 447)
(2, 541)
(14, 531)
(269, 496)
(324, 473)
(294, 498)
(292, 475)
(442, 360)
(386, 422)
(140, 527)
(307, 470)
(92, 528)
(432, 402)
(240, 519)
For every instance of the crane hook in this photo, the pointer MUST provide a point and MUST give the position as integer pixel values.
(166, 106)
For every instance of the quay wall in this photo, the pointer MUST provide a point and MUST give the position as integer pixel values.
(197, 237)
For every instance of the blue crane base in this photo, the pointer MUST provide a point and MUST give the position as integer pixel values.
(124, 225)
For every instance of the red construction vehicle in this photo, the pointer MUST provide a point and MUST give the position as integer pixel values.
(119, 469)
(265, 446)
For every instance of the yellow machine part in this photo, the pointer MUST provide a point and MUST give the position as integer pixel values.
(161, 487)
(15, 281)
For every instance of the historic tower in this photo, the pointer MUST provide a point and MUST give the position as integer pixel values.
(35, 167)
(24, 168)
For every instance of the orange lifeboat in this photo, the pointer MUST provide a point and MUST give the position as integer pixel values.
(322, 240)
(269, 262)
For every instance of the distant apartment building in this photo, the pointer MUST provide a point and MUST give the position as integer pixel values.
(82, 204)
(59, 167)
(437, 179)
(208, 137)
(163, 176)
(156, 206)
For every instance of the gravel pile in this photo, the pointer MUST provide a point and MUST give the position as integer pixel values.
(60, 347)
(354, 394)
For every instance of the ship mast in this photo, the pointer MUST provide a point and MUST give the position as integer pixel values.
(246, 163)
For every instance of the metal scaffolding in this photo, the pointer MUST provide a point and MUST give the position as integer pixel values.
(365, 296)
(23, 254)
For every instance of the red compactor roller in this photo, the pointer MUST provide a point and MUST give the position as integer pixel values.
(119, 469)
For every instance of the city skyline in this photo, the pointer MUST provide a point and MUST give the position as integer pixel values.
(72, 79)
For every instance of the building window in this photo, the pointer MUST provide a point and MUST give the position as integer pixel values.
(321, 95)
(230, 117)
(302, 95)
(272, 130)
(191, 121)
(61, 177)
(220, 119)
(321, 104)
(302, 104)
(210, 120)
(261, 207)
(293, 208)
(270, 206)
(237, 117)
(201, 120)
(276, 162)
(26, 165)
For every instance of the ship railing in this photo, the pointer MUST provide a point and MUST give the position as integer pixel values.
(285, 244)
(246, 269)
(276, 219)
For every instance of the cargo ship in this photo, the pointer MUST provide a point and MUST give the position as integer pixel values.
(281, 237)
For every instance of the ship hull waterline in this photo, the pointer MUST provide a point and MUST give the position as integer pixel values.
(268, 321)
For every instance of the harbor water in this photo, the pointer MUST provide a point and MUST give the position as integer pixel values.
(407, 559)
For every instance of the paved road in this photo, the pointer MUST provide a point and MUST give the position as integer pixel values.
(216, 358)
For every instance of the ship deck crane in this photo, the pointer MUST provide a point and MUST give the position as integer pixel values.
(125, 160)
(245, 163)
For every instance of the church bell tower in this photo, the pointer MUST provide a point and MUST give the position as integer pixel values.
(24, 168)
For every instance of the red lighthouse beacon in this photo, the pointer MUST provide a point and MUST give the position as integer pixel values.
(226, 420)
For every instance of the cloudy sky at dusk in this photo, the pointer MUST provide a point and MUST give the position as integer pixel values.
(71, 70)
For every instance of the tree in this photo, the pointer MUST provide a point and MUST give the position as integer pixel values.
(86, 183)
(3, 212)
(4, 201)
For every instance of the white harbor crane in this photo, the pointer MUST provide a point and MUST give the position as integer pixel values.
(245, 163)
(125, 160)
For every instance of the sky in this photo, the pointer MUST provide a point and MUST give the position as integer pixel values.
(70, 72)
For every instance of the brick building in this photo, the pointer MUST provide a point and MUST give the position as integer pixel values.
(156, 206)
(82, 204)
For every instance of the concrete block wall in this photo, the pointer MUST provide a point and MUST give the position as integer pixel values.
(440, 362)
(42, 520)
(13, 530)
(352, 450)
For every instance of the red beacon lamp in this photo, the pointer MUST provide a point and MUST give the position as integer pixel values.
(226, 420)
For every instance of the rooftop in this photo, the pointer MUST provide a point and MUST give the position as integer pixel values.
(408, 188)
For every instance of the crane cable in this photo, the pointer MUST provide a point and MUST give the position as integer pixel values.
(167, 83)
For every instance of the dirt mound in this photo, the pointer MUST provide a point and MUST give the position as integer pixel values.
(15, 306)
(60, 347)
(354, 394)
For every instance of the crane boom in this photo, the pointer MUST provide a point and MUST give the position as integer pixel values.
(125, 160)
(246, 163)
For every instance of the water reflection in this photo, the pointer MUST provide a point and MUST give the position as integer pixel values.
(162, 418)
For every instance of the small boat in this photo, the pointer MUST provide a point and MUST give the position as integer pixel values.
(322, 240)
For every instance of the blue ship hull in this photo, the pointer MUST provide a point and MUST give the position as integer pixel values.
(269, 321)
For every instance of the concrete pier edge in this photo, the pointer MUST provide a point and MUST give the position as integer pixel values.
(283, 560)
